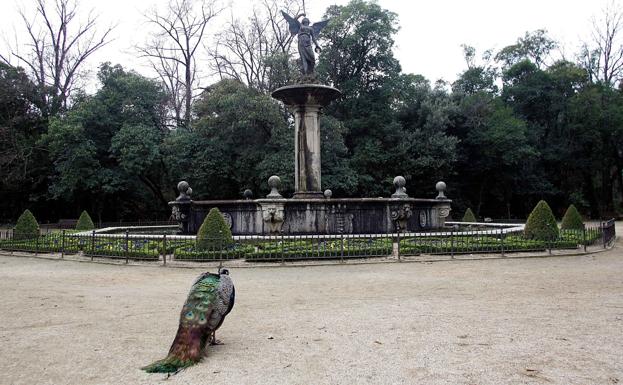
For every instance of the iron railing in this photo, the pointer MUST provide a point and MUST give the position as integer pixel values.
(283, 248)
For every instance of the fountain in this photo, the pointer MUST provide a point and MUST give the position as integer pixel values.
(310, 210)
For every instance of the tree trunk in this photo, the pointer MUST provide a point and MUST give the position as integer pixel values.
(188, 93)
(591, 196)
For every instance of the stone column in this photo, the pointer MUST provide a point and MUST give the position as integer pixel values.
(305, 102)
(180, 207)
(307, 151)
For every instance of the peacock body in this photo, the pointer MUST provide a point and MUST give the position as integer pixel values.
(210, 299)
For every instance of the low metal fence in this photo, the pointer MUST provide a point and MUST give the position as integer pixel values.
(283, 248)
(71, 224)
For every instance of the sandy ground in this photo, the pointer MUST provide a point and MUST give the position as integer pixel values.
(552, 320)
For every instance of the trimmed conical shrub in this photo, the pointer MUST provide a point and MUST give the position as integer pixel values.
(572, 220)
(469, 216)
(541, 224)
(85, 222)
(26, 226)
(214, 233)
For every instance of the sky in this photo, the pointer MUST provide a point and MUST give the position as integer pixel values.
(428, 42)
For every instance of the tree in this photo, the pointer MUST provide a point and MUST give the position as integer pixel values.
(22, 161)
(596, 137)
(427, 150)
(357, 54)
(240, 139)
(256, 52)
(180, 32)
(108, 146)
(534, 46)
(494, 141)
(477, 77)
(603, 57)
(394, 123)
(357, 58)
(59, 47)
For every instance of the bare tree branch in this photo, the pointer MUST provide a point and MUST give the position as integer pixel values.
(603, 56)
(172, 51)
(56, 51)
(251, 51)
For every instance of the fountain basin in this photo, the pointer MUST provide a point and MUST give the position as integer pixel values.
(322, 216)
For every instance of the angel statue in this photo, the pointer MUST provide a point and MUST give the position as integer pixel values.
(306, 35)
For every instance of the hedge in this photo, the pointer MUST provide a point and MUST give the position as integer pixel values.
(469, 216)
(541, 224)
(26, 226)
(214, 232)
(572, 220)
(85, 222)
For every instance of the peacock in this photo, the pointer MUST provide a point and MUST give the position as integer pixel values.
(210, 299)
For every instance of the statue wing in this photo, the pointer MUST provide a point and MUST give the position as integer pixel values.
(294, 24)
(318, 26)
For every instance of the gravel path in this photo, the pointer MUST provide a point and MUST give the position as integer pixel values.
(514, 321)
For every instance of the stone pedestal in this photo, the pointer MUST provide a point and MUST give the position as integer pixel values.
(305, 101)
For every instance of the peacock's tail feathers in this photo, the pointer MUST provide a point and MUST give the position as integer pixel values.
(203, 312)
(171, 364)
(186, 350)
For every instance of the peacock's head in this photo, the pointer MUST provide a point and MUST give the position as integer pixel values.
(223, 271)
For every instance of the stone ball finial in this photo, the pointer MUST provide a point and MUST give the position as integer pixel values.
(247, 194)
(274, 182)
(400, 183)
(184, 188)
(328, 193)
(441, 187)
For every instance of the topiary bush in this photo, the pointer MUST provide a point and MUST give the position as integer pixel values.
(214, 234)
(26, 226)
(572, 220)
(541, 224)
(469, 216)
(85, 222)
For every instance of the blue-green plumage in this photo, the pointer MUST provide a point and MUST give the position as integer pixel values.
(210, 299)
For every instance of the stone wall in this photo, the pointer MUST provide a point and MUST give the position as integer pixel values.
(325, 216)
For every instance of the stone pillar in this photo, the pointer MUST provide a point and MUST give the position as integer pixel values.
(307, 151)
(180, 207)
(305, 102)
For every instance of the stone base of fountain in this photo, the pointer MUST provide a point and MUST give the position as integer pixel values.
(275, 215)
(324, 216)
